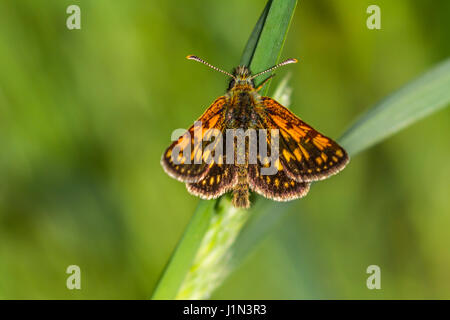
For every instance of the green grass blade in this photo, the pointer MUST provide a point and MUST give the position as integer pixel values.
(271, 40)
(184, 254)
(209, 268)
(252, 42)
(419, 98)
(198, 267)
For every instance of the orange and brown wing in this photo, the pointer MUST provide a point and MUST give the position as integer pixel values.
(305, 154)
(275, 182)
(184, 159)
(278, 187)
(221, 178)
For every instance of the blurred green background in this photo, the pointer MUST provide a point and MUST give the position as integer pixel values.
(86, 114)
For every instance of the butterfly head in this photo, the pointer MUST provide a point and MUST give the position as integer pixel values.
(241, 77)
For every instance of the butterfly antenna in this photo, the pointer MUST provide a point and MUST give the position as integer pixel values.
(288, 61)
(195, 58)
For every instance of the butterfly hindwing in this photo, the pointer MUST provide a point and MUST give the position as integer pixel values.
(221, 178)
(270, 179)
(277, 187)
(305, 154)
(183, 160)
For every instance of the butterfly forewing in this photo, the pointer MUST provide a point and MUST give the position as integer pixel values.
(305, 154)
(221, 177)
(184, 159)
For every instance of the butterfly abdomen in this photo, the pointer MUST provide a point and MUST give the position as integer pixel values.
(241, 189)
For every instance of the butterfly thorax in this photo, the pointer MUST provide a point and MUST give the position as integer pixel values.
(242, 99)
(241, 105)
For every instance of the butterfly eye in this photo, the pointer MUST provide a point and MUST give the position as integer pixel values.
(231, 84)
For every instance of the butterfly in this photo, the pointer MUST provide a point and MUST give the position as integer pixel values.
(298, 153)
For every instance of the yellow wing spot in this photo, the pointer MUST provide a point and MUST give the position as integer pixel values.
(324, 142)
(318, 169)
(189, 171)
(277, 182)
(305, 153)
(211, 181)
(325, 167)
(285, 135)
(298, 154)
(169, 153)
(220, 160)
(305, 128)
(268, 179)
(197, 152)
(301, 132)
(331, 163)
(292, 183)
(218, 178)
(177, 167)
(265, 161)
(185, 140)
(334, 159)
(287, 155)
(279, 121)
(309, 171)
(286, 185)
(339, 153)
(278, 165)
(324, 157)
(182, 170)
(225, 173)
(206, 155)
(212, 122)
(203, 182)
(207, 135)
(319, 160)
(318, 144)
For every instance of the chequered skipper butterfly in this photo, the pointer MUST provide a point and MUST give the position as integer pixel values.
(303, 154)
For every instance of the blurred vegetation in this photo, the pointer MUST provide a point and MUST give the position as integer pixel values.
(85, 115)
